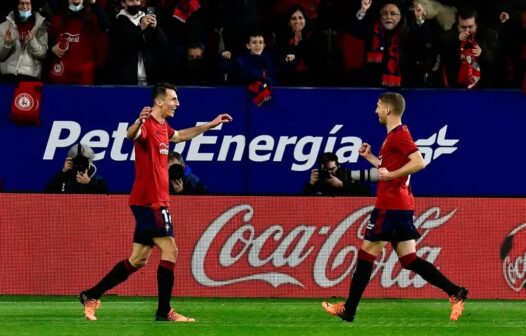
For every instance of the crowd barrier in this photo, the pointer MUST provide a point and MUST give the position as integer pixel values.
(471, 140)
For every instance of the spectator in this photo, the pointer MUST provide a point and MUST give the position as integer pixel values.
(138, 46)
(399, 54)
(195, 68)
(254, 68)
(79, 44)
(234, 19)
(311, 7)
(184, 22)
(298, 46)
(330, 179)
(182, 180)
(79, 174)
(23, 43)
(470, 54)
(514, 47)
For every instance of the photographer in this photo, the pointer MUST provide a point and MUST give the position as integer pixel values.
(182, 180)
(79, 174)
(333, 180)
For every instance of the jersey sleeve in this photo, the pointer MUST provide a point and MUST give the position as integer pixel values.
(173, 135)
(405, 143)
(142, 134)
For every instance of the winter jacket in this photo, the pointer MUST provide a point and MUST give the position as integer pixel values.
(20, 58)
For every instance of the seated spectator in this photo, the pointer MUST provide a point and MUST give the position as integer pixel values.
(298, 49)
(79, 44)
(331, 179)
(470, 54)
(398, 54)
(78, 175)
(182, 180)
(138, 47)
(23, 44)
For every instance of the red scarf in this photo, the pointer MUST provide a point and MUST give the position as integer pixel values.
(185, 8)
(469, 71)
(380, 48)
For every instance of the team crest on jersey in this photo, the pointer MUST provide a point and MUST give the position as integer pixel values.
(24, 102)
(163, 148)
(58, 68)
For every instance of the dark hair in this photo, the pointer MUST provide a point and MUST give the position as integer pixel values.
(254, 33)
(294, 9)
(175, 155)
(328, 157)
(395, 100)
(466, 13)
(159, 89)
(196, 45)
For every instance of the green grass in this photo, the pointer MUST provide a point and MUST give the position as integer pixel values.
(54, 316)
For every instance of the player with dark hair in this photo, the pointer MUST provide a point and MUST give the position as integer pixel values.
(149, 202)
(392, 218)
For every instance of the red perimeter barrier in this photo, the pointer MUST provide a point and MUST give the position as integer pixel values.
(259, 246)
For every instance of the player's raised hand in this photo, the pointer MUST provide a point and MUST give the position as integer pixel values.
(365, 150)
(222, 118)
(145, 114)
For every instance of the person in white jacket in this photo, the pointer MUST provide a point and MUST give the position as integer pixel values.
(23, 44)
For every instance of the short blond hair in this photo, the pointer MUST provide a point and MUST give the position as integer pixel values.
(395, 100)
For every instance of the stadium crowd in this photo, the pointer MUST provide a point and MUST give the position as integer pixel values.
(415, 43)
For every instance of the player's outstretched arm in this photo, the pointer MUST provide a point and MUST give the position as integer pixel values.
(192, 132)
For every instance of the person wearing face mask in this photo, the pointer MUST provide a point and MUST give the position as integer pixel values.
(23, 44)
(195, 68)
(78, 44)
(138, 47)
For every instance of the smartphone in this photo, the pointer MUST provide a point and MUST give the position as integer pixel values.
(150, 10)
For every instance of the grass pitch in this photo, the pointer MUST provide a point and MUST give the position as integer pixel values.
(54, 316)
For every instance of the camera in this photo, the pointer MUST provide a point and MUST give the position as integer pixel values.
(150, 10)
(80, 162)
(176, 172)
(366, 175)
(323, 174)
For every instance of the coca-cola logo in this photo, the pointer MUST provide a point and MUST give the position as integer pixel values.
(233, 249)
(513, 255)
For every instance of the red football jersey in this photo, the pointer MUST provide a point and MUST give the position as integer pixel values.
(396, 194)
(151, 165)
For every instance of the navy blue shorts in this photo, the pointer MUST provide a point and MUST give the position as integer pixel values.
(391, 225)
(151, 223)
